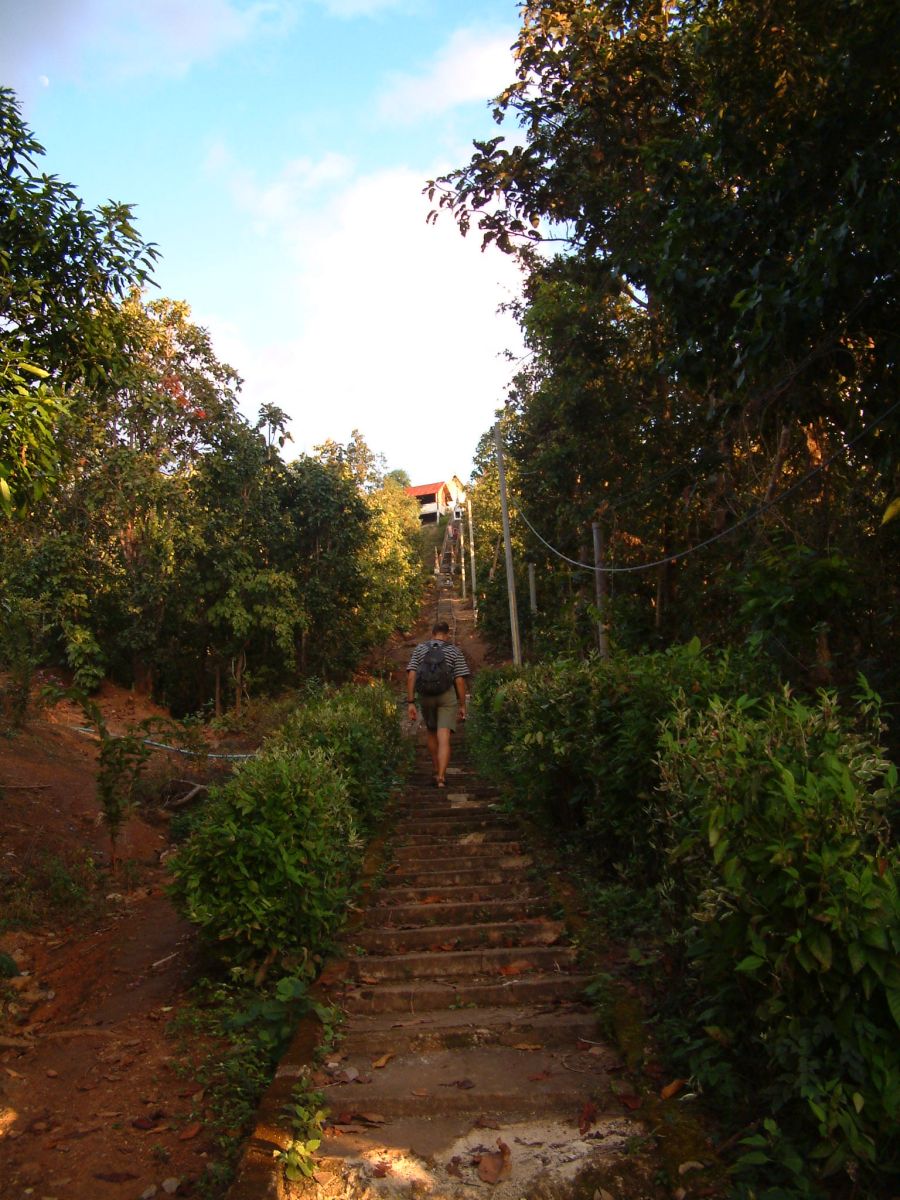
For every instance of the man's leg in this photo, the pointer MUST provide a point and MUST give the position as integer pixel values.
(442, 758)
(431, 737)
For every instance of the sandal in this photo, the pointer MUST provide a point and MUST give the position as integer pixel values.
(440, 783)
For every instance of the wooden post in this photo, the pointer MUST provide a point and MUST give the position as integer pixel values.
(600, 590)
(507, 543)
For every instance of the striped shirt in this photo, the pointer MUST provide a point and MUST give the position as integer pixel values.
(452, 654)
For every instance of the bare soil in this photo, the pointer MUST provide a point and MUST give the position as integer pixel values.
(94, 1100)
(97, 1098)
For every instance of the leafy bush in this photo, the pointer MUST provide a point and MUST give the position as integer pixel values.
(358, 728)
(781, 884)
(269, 864)
(268, 869)
(579, 738)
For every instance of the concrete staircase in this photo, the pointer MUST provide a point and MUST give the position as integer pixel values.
(469, 1061)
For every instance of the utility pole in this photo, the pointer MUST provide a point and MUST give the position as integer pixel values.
(510, 578)
(472, 561)
(462, 555)
(600, 591)
(532, 589)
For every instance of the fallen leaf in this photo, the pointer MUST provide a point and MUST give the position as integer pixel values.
(495, 1165)
(420, 1092)
(378, 1063)
(588, 1116)
(692, 1165)
(527, 1046)
(459, 1083)
(190, 1131)
(144, 1123)
(672, 1089)
(381, 1169)
(631, 1102)
(369, 979)
(453, 1165)
(516, 968)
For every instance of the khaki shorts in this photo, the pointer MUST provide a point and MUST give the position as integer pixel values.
(439, 712)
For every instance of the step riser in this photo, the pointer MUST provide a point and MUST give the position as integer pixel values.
(512, 933)
(399, 1041)
(441, 965)
(420, 915)
(467, 894)
(414, 857)
(434, 997)
(502, 871)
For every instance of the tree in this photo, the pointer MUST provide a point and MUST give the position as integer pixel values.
(62, 267)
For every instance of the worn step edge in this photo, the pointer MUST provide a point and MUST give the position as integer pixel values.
(443, 964)
(418, 916)
(497, 933)
(463, 1029)
(516, 888)
(425, 997)
(494, 871)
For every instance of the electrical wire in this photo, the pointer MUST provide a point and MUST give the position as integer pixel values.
(745, 520)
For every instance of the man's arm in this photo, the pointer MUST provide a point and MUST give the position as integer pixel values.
(460, 684)
(411, 710)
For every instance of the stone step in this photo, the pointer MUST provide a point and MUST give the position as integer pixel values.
(406, 916)
(429, 838)
(415, 997)
(468, 846)
(514, 889)
(492, 960)
(449, 826)
(439, 809)
(457, 937)
(567, 1025)
(484, 870)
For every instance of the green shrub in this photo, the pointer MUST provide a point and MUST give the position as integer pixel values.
(579, 738)
(270, 860)
(781, 884)
(267, 870)
(358, 728)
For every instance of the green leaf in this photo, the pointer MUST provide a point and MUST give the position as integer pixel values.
(892, 511)
(750, 964)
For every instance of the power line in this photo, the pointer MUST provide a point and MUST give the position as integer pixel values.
(751, 516)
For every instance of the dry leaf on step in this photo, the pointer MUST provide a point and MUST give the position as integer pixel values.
(496, 1164)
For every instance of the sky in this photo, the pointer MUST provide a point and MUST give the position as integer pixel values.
(276, 152)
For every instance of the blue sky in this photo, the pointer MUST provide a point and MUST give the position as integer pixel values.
(276, 151)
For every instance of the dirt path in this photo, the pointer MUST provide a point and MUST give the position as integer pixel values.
(93, 1101)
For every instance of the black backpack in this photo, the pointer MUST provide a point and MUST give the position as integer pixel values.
(435, 675)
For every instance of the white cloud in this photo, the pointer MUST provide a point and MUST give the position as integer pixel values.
(473, 66)
(115, 38)
(397, 327)
(361, 8)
